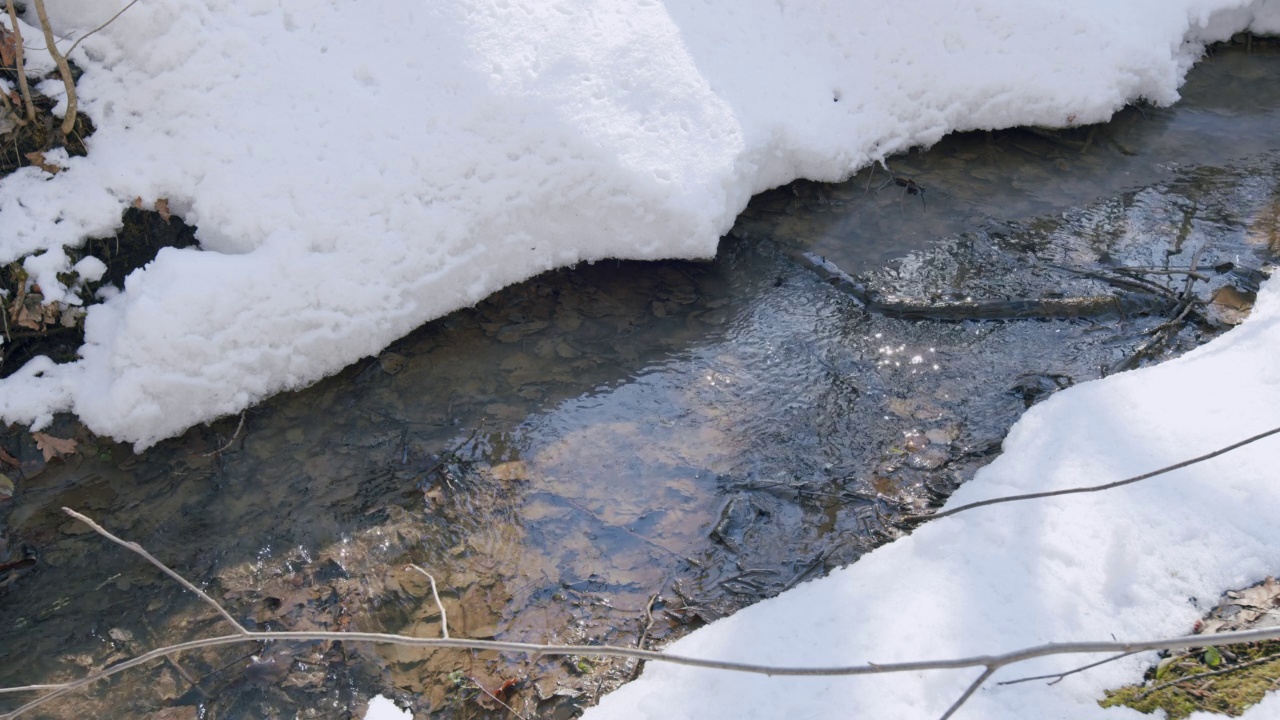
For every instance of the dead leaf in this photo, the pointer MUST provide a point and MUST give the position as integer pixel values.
(137, 203)
(27, 312)
(53, 447)
(162, 207)
(37, 159)
(8, 459)
(1231, 306)
(8, 46)
(1263, 596)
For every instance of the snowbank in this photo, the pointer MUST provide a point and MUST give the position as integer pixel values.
(1140, 562)
(356, 172)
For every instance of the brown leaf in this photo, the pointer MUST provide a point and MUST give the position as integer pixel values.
(137, 203)
(8, 45)
(1263, 596)
(37, 159)
(53, 447)
(27, 314)
(162, 207)
(8, 459)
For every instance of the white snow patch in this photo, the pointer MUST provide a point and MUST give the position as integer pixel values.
(90, 268)
(381, 708)
(356, 173)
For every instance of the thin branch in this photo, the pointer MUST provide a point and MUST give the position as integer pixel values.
(76, 44)
(28, 688)
(644, 634)
(19, 66)
(234, 435)
(1210, 673)
(973, 687)
(139, 550)
(990, 663)
(68, 120)
(611, 651)
(1097, 488)
(444, 617)
(1059, 677)
(1158, 271)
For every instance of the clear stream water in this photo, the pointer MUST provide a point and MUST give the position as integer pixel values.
(623, 451)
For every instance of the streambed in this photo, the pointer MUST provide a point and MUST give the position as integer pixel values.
(619, 453)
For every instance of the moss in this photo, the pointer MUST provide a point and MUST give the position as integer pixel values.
(1227, 694)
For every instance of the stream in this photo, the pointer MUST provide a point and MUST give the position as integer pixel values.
(622, 452)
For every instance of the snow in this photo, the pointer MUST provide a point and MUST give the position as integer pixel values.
(355, 174)
(381, 708)
(1139, 562)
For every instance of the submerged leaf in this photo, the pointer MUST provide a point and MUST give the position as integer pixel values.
(53, 447)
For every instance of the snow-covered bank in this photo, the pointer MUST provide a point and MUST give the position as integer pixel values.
(1139, 562)
(354, 174)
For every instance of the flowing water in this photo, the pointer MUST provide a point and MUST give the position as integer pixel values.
(621, 452)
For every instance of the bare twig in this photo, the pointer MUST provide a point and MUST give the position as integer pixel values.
(139, 550)
(1209, 673)
(804, 572)
(28, 688)
(1125, 270)
(969, 691)
(1133, 283)
(20, 68)
(76, 44)
(644, 634)
(1059, 677)
(234, 435)
(1097, 488)
(1001, 660)
(444, 617)
(989, 663)
(68, 120)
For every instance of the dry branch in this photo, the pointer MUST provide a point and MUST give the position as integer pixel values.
(444, 617)
(1096, 488)
(138, 549)
(81, 39)
(989, 663)
(19, 67)
(1059, 677)
(69, 120)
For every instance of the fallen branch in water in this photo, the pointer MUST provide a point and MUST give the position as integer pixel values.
(1162, 335)
(1095, 488)
(989, 663)
(1094, 306)
(1150, 299)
